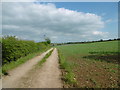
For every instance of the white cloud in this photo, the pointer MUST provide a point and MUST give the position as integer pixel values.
(32, 21)
(99, 33)
(17, 0)
(108, 21)
(60, 0)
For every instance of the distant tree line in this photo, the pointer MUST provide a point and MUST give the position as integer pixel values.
(101, 40)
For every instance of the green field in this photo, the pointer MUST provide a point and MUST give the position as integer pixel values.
(92, 65)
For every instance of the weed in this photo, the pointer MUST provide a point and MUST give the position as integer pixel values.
(93, 81)
(113, 71)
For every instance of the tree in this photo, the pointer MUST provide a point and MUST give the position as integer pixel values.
(47, 39)
(101, 40)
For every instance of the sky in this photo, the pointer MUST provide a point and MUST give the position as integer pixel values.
(60, 21)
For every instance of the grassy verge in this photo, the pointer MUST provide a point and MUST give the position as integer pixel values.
(68, 75)
(20, 61)
(44, 59)
(0, 73)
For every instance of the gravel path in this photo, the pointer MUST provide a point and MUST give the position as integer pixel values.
(26, 76)
(46, 76)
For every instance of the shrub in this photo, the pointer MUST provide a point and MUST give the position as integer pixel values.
(14, 48)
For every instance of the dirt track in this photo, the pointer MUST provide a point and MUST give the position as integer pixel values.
(27, 76)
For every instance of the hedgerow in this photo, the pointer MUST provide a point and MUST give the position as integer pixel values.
(14, 48)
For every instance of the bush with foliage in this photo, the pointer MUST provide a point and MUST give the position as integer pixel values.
(14, 48)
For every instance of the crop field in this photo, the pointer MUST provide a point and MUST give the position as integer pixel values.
(91, 65)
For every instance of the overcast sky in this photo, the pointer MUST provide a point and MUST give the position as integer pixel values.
(60, 21)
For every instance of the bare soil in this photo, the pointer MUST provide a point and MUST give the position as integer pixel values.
(95, 74)
(29, 76)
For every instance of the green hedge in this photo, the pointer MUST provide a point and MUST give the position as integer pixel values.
(14, 48)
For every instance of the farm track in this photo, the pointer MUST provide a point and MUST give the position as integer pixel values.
(27, 76)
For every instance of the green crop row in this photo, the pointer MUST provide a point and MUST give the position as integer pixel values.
(14, 48)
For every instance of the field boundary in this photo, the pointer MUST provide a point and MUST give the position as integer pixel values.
(20, 61)
(68, 77)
